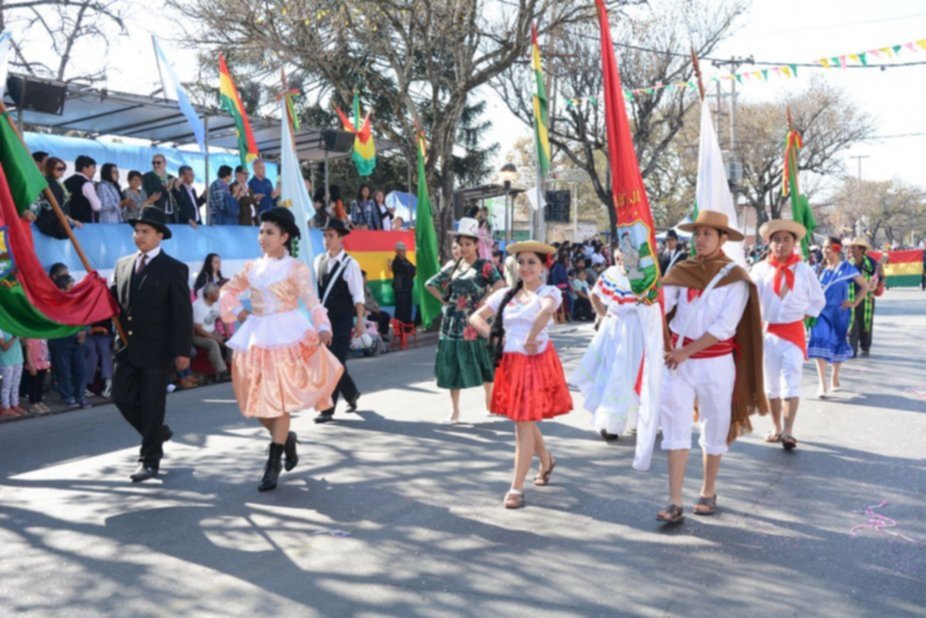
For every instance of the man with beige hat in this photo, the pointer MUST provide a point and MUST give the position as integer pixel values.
(863, 316)
(788, 292)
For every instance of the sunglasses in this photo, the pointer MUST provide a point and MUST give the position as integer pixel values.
(157, 163)
(60, 169)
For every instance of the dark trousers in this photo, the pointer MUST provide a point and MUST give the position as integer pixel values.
(68, 361)
(582, 310)
(32, 386)
(857, 334)
(342, 327)
(403, 306)
(141, 394)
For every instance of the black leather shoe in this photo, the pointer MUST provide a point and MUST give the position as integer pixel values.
(352, 404)
(166, 433)
(609, 437)
(144, 472)
(324, 417)
(291, 457)
(273, 468)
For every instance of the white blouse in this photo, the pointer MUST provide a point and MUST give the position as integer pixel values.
(806, 298)
(520, 316)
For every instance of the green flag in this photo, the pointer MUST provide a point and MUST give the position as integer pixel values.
(800, 207)
(25, 180)
(425, 245)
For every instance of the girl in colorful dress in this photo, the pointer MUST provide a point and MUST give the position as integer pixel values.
(35, 370)
(529, 382)
(462, 358)
(280, 360)
(829, 341)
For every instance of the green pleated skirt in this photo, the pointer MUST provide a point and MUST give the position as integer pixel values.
(463, 364)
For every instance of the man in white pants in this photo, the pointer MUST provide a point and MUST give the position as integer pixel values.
(714, 360)
(788, 292)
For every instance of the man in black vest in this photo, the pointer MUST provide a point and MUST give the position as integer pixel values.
(154, 296)
(340, 290)
(84, 200)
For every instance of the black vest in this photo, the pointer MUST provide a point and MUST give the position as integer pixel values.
(339, 300)
(80, 207)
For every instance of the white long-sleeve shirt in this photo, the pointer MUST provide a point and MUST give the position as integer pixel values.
(806, 298)
(718, 314)
(351, 274)
(89, 191)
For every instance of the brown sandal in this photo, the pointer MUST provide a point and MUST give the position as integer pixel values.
(788, 443)
(672, 514)
(514, 499)
(543, 477)
(709, 504)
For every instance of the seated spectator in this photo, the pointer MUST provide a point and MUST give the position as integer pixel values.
(211, 272)
(385, 213)
(84, 202)
(582, 305)
(185, 197)
(262, 189)
(364, 213)
(68, 360)
(398, 223)
(136, 197)
(559, 277)
(247, 203)
(374, 313)
(110, 194)
(11, 368)
(222, 206)
(205, 315)
(100, 354)
(36, 368)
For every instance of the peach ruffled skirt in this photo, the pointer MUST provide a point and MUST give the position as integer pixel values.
(279, 366)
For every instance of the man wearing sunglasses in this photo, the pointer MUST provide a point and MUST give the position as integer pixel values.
(159, 181)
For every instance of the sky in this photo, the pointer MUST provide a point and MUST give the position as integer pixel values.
(782, 31)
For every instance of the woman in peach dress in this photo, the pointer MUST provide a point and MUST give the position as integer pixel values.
(280, 360)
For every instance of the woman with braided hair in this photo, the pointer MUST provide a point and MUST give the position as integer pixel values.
(529, 382)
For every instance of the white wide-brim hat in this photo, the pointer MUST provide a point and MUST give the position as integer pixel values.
(467, 227)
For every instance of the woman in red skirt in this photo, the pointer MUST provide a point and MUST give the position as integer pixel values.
(529, 382)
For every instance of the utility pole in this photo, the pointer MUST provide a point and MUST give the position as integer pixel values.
(860, 222)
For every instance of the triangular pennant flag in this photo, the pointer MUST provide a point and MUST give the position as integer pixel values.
(854, 57)
(739, 78)
(777, 70)
(922, 43)
(886, 51)
(835, 60)
(765, 74)
(843, 62)
(910, 46)
(863, 58)
(825, 62)
(794, 69)
(876, 53)
(897, 48)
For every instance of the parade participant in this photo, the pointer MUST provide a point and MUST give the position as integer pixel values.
(154, 300)
(529, 381)
(461, 285)
(280, 363)
(788, 292)
(340, 286)
(863, 316)
(715, 359)
(829, 335)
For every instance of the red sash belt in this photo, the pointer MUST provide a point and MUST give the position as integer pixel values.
(721, 348)
(793, 332)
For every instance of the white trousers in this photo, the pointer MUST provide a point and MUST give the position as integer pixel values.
(783, 366)
(709, 381)
(9, 388)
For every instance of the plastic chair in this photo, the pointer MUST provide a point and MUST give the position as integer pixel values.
(401, 332)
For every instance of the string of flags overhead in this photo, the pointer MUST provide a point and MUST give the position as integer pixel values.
(786, 71)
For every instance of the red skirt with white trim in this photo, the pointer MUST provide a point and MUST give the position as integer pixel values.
(530, 387)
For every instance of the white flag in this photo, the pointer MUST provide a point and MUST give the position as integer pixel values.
(713, 192)
(5, 41)
(293, 192)
(536, 199)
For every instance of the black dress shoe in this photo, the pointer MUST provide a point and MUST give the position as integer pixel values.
(166, 433)
(324, 417)
(144, 472)
(273, 468)
(291, 457)
(352, 404)
(610, 437)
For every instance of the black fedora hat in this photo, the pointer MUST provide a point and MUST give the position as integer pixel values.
(284, 218)
(154, 217)
(338, 226)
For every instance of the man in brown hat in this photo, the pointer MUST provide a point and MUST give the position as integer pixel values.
(154, 297)
(714, 359)
(863, 315)
(789, 292)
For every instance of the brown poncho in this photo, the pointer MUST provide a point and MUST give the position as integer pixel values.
(749, 388)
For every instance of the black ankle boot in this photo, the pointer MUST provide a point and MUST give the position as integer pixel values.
(289, 450)
(273, 469)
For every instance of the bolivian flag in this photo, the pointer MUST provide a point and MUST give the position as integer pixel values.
(231, 103)
(904, 269)
(541, 116)
(364, 156)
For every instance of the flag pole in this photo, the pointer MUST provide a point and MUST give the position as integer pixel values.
(697, 70)
(157, 63)
(62, 218)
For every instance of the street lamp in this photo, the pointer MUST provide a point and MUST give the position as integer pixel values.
(508, 174)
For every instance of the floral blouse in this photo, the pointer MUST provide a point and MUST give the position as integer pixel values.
(465, 286)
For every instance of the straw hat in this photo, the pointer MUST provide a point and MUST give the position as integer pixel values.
(782, 225)
(714, 219)
(467, 227)
(859, 241)
(531, 246)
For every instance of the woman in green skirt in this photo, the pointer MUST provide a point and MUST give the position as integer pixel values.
(463, 361)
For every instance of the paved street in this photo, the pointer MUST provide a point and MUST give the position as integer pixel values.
(393, 514)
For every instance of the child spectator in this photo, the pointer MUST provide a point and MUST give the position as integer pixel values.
(68, 360)
(11, 368)
(37, 364)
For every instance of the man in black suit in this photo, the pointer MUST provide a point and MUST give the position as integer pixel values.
(188, 202)
(154, 295)
(673, 253)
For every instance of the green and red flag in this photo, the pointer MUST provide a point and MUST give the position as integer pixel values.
(364, 156)
(636, 234)
(231, 102)
(800, 207)
(541, 113)
(30, 304)
(427, 264)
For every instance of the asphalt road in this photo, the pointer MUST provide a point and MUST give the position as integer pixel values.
(392, 514)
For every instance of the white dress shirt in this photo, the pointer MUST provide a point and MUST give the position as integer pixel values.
(351, 274)
(89, 192)
(806, 298)
(718, 314)
(150, 255)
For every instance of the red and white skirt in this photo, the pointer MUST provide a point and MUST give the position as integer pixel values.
(530, 387)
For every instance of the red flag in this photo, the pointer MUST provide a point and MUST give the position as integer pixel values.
(636, 234)
(88, 302)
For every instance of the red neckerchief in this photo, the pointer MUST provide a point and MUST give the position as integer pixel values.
(783, 271)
